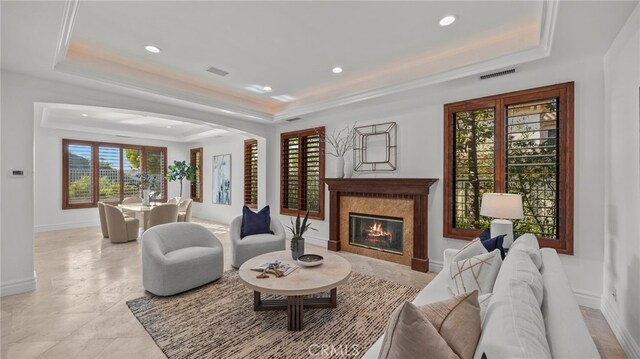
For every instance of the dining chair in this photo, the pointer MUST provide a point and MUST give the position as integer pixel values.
(174, 200)
(121, 229)
(131, 200)
(164, 213)
(184, 210)
(103, 220)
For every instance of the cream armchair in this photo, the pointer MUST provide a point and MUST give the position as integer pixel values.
(165, 213)
(131, 200)
(184, 210)
(120, 228)
(251, 246)
(103, 220)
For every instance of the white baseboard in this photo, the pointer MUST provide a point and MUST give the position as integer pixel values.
(18, 286)
(62, 226)
(318, 241)
(587, 298)
(435, 266)
(628, 343)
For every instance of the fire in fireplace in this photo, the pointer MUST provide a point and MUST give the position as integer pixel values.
(376, 232)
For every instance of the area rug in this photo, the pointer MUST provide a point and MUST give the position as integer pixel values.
(218, 321)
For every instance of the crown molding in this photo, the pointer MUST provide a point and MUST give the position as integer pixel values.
(548, 18)
(547, 27)
(64, 38)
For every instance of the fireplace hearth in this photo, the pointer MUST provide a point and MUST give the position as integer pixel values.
(381, 233)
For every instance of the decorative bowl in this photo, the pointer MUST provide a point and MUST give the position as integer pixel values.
(310, 260)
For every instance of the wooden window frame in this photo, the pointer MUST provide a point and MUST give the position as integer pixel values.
(565, 94)
(196, 185)
(95, 159)
(319, 131)
(248, 148)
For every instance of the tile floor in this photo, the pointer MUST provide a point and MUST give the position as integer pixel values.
(79, 310)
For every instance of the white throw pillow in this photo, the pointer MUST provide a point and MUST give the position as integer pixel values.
(528, 243)
(518, 267)
(472, 248)
(475, 273)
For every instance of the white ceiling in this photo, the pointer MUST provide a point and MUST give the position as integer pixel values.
(124, 123)
(384, 47)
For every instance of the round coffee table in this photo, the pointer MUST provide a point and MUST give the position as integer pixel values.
(303, 281)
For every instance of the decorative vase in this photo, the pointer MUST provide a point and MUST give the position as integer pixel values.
(340, 167)
(145, 196)
(297, 248)
(348, 168)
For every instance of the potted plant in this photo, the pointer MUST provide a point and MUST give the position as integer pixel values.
(298, 229)
(179, 171)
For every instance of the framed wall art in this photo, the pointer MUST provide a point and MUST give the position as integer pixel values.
(222, 179)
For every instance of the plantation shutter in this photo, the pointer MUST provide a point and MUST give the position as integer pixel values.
(196, 185)
(94, 171)
(78, 176)
(533, 164)
(251, 173)
(109, 174)
(302, 170)
(520, 142)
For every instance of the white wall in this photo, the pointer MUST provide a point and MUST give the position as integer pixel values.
(419, 115)
(622, 186)
(218, 146)
(49, 214)
(19, 93)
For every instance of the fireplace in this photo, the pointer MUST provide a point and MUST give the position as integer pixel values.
(381, 201)
(381, 233)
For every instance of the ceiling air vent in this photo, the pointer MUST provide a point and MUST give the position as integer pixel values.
(294, 119)
(217, 71)
(496, 74)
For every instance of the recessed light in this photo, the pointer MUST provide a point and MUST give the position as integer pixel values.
(337, 70)
(168, 126)
(447, 20)
(267, 88)
(152, 49)
(84, 115)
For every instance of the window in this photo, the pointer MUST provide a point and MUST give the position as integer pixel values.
(196, 186)
(302, 170)
(519, 142)
(108, 172)
(251, 173)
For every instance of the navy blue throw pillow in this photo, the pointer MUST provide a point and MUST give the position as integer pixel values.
(486, 234)
(494, 243)
(255, 223)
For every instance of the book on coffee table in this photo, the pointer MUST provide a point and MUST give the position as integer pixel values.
(285, 268)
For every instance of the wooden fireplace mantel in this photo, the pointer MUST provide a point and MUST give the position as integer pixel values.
(416, 189)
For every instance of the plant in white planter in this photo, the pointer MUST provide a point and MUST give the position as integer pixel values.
(180, 170)
(298, 229)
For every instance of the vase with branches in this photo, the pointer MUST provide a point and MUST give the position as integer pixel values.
(339, 142)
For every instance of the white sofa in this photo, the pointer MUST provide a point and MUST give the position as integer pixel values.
(566, 332)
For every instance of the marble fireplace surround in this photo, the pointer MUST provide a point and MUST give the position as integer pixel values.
(401, 197)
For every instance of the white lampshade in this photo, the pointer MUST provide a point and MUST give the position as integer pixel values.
(501, 205)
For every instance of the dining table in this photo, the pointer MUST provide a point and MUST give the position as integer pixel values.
(142, 212)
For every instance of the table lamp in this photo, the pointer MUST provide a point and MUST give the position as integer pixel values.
(502, 207)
